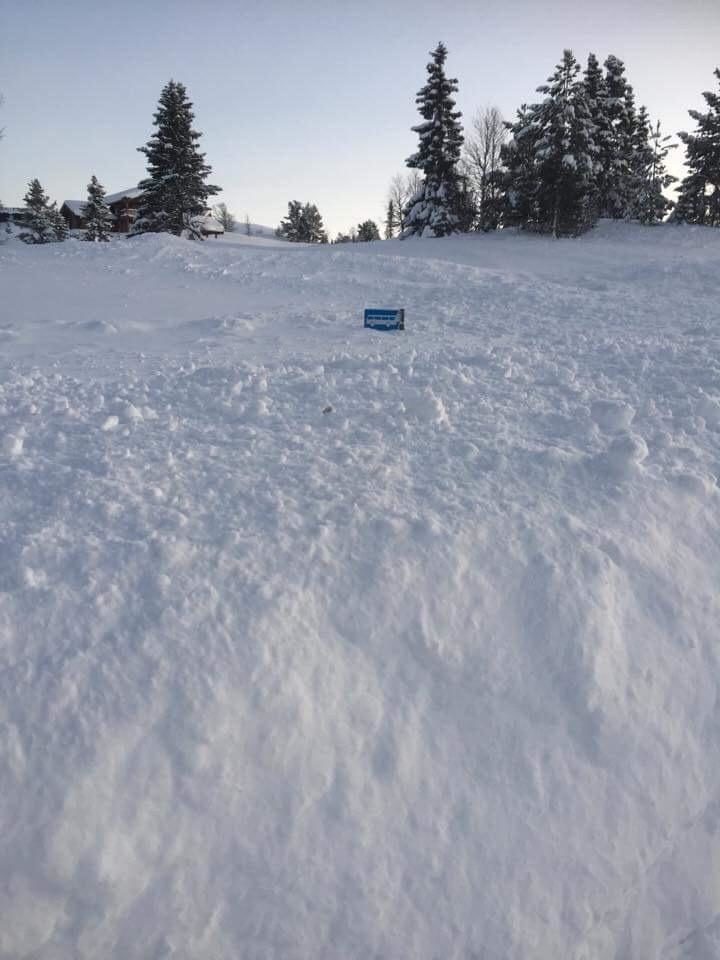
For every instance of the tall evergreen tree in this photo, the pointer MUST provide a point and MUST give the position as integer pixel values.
(98, 216)
(41, 221)
(566, 153)
(558, 156)
(699, 194)
(175, 191)
(597, 97)
(303, 224)
(433, 210)
(521, 179)
(616, 199)
(651, 204)
(691, 203)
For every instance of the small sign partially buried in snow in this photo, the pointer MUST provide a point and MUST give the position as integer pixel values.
(385, 319)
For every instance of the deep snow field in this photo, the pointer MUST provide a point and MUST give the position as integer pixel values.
(324, 644)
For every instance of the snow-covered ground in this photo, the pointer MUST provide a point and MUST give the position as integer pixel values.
(323, 643)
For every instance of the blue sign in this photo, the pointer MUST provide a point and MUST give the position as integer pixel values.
(385, 319)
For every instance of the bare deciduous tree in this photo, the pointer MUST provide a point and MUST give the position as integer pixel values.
(403, 188)
(482, 165)
(224, 217)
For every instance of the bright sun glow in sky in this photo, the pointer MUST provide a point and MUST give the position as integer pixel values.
(311, 101)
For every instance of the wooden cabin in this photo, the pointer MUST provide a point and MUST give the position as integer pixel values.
(72, 210)
(124, 207)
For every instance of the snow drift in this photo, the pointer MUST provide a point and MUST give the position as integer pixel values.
(319, 643)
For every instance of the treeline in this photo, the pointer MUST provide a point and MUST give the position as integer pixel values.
(584, 151)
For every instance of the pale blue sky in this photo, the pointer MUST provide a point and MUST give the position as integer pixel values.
(311, 101)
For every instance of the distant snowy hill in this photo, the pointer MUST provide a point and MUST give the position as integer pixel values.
(320, 643)
(256, 230)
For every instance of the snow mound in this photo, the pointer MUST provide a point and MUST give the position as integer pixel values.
(319, 642)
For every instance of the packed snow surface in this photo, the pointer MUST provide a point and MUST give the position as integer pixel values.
(323, 643)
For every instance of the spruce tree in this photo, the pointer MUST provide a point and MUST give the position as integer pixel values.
(303, 224)
(175, 191)
(313, 230)
(699, 194)
(597, 97)
(98, 216)
(564, 197)
(60, 228)
(433, 210)
(652, 205)
(521, 176)
(368, 231)
(691, 203)
(291, 226)
(616, 200)
(647, 176)
(41, 220)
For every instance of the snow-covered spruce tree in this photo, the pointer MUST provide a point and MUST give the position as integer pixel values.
(176, 191)
(520, 207)
(699, 194)
(433, 210)
(559, 157)
(566, 154)
(98, 216)
(640, 160)
(41, 222)
(652, 206)
(597, 97)
(648, 176)
(367, 231)
(61, 231)
(617, 186)
(303, 224)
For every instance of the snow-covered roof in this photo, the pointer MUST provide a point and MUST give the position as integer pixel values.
(75, 206)
(132, 194)
(211, 225)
